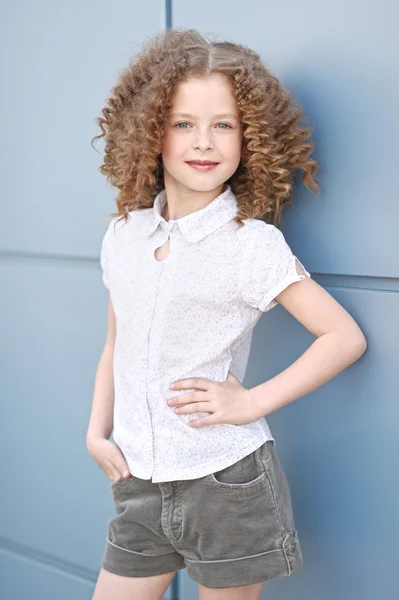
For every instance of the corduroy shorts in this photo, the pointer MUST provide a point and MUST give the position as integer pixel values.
(231, 528)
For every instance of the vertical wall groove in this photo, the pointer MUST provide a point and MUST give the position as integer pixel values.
(168, 14)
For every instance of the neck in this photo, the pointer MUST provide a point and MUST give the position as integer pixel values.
(181, 201)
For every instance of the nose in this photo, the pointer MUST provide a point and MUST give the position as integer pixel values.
(203, 140)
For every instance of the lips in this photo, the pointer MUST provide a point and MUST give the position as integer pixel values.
(202, 165)
(202, 162)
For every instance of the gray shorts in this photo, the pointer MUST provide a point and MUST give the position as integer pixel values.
(230, 528)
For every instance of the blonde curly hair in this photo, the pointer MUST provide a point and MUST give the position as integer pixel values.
(275, 144)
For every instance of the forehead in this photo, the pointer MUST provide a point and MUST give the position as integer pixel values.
(214, 93)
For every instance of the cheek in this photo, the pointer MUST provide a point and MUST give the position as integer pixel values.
(171, 148)
(232, 150)
(165, 146)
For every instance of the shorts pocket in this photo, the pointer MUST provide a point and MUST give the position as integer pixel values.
(114, 483)
(247, 473)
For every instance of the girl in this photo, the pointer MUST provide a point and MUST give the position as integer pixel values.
(202, 142)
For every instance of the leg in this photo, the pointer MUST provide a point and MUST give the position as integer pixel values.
(245, 592)
(110, 586)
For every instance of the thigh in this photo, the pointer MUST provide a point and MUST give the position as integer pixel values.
(245, 592)
(109, 585)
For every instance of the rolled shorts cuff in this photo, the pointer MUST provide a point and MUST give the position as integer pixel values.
(128, 563)
(248, 569)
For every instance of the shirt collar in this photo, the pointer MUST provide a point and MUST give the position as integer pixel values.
(197, 224)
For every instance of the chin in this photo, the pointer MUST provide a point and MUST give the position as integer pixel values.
(207, 185)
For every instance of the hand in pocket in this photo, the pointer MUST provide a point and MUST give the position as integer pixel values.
(109, 458)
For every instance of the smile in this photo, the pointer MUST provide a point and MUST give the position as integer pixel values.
(202, 166)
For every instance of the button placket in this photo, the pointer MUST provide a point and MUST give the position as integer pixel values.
(147, 372)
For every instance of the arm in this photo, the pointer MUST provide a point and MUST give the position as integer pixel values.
(101, 418)
(339, 343)
(105, 452)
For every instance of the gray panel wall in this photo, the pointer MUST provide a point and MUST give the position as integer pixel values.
(339, 445)
(59, 61)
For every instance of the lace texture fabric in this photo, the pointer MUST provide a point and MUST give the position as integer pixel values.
(189, 315)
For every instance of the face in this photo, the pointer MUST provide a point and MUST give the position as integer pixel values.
(203, 125)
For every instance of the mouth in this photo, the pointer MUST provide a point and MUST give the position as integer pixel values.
(202, 165)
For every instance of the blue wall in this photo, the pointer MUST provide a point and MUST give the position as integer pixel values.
(338, 445)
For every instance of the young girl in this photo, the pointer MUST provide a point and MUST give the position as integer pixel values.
(202, 142)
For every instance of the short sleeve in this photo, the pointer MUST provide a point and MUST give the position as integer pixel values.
(104, 254)
(268, 267)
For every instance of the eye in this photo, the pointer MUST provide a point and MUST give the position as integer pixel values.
(181, 125)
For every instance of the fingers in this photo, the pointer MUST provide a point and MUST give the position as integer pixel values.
(117, 465)
(188, 398)
(109, 458)
(122, 468)
(203, 422)
(114, 478)
(194, 382)
(114, 473)
(193, 408)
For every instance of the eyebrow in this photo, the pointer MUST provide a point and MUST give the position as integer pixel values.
(221, 116)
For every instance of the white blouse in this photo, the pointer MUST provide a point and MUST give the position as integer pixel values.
(190, 315)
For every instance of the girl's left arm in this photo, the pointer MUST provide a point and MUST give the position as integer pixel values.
(340, 342)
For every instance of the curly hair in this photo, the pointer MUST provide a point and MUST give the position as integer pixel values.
(275, 143)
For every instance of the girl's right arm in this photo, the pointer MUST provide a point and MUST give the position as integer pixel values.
(101, 419)
(105, 452)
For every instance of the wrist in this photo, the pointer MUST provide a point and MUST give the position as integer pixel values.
(255, 402)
